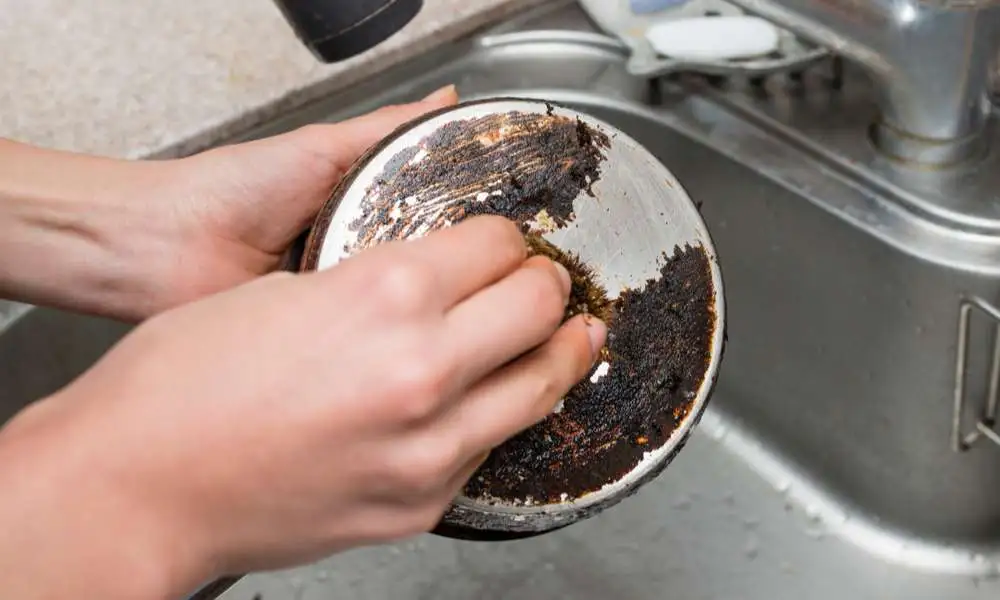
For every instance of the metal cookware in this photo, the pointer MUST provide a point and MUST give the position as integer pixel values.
(634, 237)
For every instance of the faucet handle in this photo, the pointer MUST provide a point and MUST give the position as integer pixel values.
(336, 30)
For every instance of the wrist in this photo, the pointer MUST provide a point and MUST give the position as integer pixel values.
(75, 231)
(67, 509)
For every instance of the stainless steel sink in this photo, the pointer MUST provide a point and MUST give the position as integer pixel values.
(824, 468)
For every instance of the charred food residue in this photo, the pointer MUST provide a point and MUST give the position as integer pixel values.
(531, 168)
(514, 164)
(660, 348)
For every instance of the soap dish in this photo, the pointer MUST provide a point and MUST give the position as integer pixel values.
(789, 53)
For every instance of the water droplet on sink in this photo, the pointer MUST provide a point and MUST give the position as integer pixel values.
(815, 527)
(751, 523)
(682, 503)
(729, 499)
(322, 575)
(298, 587)
(719, 433)
(783, 486)
(751, 548)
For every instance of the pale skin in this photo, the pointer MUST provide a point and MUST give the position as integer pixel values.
(256, 419)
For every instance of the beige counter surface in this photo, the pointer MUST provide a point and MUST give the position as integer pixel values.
(138, 78)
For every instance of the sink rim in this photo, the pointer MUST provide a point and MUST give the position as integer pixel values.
(894, 546)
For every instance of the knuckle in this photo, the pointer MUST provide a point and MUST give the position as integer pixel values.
(420, 387)
(435, 460)
(545, 400)
(504, 235)
(415, 406)
(558, 368)
(546, 291)
(550, 371)
(546, 388)
(427, 467)
(405, 286)
(411, 407)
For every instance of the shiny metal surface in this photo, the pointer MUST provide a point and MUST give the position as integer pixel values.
(985, 427)
(624, 224)
(931, 61)
(616, 18)
(823, 467)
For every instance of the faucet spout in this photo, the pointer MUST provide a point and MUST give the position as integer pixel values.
(931, 62)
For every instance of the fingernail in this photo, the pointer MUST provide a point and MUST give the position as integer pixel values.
(448, 92)
(567, 283)
(597, 331)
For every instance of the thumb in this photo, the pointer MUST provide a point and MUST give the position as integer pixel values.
(340, 144)
(272, 188)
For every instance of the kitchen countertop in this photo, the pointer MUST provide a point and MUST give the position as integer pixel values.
(147, 78)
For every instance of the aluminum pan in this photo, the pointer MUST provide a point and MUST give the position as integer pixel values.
(634, 215)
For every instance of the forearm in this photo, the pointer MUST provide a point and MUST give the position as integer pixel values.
(70, 236)
(71, 526)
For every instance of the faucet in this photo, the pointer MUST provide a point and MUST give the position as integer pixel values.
(336, 30)
(931, 62)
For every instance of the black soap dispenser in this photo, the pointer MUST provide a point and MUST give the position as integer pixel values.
(335, 30)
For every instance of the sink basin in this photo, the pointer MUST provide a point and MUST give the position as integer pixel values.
(823, 468)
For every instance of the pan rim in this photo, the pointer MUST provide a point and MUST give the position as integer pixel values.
(484, 517)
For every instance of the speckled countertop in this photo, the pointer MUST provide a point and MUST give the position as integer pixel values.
(137, 78)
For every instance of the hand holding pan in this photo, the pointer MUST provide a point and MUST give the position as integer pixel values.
(639, 256)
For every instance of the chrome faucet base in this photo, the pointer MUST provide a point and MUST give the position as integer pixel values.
(919, 152)
(949, 203)
(931, 61)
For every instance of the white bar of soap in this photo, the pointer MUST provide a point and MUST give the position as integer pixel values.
(713, 38)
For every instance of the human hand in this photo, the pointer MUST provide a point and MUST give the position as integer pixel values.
(236, 209)
(129, 239)
(291, 417)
